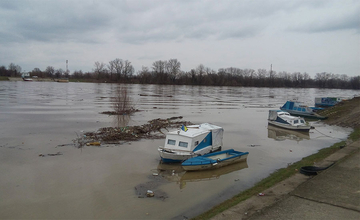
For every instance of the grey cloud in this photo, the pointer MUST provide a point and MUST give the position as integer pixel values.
(337, 21)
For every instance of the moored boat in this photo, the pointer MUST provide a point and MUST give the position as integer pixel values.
(299, 109)
(214, 160)
(26, 77)
(327, 101)
(285, 120)
(191, 141)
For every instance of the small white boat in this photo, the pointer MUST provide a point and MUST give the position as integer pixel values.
(26, 77)
(191, 141)
(285, 120)
(214, 160)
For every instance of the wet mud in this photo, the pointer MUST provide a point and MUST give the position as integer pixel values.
(151, 189)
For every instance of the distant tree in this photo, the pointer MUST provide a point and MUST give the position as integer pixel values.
(36, 72)
(128, 69)
(145, 75)
(118, 66)
(111, 68)
(355, 82)
(200, 72)
(14, 70)
(78, 74)
(173, 68)
(59, 73)
(3, 71)
(159, 68)
(99, 68)
(50, 71)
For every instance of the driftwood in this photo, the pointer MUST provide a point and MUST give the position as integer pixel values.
(151, 130)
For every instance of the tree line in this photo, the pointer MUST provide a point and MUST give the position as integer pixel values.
(168, 72)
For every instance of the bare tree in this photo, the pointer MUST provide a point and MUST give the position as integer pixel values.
(118, 65)
(50, 71)
(159, 66)
(173, 68)
(15, 70)
(59, 73)
(36, 72)
(128, 69)
(99, 68)
(111, 67)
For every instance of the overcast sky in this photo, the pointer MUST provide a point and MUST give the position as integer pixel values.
(293, 35)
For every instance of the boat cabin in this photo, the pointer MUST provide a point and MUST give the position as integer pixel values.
(296, 106)
(285, 117)
(327, 101)
(194, 138)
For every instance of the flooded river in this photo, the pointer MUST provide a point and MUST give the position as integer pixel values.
(43, 118)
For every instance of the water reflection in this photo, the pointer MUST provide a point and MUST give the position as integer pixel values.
(175, 173)
(121, 120)
(280, 134)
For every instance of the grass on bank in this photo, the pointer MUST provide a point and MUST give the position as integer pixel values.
(277, 177)
(4, 78)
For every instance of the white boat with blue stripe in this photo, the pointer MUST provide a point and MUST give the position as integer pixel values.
(191, 141)
(285, 120)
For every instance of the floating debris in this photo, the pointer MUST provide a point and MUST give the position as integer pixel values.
(94, 143)
(150, 193)
(57, 154)
(151, 130)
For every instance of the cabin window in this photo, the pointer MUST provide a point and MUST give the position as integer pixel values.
(196, 143)
(303, 109)
(171, 142)
(296, 121)
(302, 121)
(183, 144)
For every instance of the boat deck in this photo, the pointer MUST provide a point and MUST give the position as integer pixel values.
(220, 156)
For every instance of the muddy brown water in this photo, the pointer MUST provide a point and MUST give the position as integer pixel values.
(110, 181)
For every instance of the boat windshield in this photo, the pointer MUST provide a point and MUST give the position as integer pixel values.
(284, 113)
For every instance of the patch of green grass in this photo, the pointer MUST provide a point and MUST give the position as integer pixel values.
(277, 177)
(4, 78)
(78, 80)
(355, 135)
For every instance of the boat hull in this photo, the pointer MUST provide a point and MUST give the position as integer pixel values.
(305, 128)
(174, 156)
(214, 160)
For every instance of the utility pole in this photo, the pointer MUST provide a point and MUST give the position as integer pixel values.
(67, 67)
